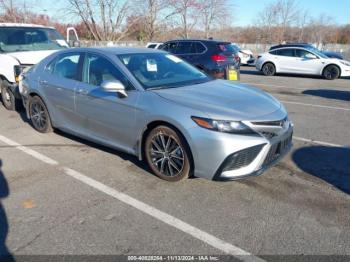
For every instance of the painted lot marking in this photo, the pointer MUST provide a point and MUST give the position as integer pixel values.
(316, 142)
(28, 151)
(143, 207)
(319, 106)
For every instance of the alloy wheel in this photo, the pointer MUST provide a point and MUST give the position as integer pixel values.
(167, 155)
(38, 116)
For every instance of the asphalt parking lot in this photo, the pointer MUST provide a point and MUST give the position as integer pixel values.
(61, 195)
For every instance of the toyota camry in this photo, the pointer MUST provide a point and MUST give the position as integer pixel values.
(153, 105)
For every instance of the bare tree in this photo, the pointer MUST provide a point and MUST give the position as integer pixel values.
(104, 19)
(187, 12)
(277, 18)
(154, 14)
(213, 13)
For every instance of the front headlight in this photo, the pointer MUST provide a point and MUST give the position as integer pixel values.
(233, 127)
(345, 63)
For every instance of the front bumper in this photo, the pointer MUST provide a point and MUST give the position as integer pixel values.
(270, 155)
(212, 151)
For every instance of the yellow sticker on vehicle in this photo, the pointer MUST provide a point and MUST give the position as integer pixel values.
(232, 75)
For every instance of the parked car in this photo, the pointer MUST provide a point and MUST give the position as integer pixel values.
(300, 60)
(154, 45)
(216, 58)
(156, 106)
(21, 46)
(246, 56)
(329, 54)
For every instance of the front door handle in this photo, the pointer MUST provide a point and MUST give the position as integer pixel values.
(43, 82)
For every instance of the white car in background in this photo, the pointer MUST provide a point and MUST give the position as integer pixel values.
(246, 56)
(300, 60)
(154, 45)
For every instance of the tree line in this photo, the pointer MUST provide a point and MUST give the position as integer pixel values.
(159, 20)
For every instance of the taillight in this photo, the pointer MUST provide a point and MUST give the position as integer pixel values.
(219, 58)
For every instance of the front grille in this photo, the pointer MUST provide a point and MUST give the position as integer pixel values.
(276, 150)
(242, 158)
(271, 123)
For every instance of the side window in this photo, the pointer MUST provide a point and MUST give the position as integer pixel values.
(199, 47)
(66, 66)
(97, 69)
(274, 52)
(286, 52)
(304, 54)
(184, 48)
(170, 47)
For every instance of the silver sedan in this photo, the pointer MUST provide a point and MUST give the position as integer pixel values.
(154, 105)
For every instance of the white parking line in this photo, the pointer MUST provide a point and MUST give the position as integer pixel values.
(312, 105)
(316, 142)
(145, 208)
(165, 218)
(28, 151)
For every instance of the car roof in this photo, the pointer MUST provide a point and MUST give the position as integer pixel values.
(201, 40)
(290, 45)
(117, 50)
(24, 25)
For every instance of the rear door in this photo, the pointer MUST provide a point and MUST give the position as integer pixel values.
(59, 84)
(286, 60)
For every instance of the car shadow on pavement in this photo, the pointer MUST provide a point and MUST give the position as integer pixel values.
(327, 93)
(5, 255)
(330, 164)
(125, 156)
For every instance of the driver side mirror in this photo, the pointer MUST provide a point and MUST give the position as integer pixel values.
(114, 86)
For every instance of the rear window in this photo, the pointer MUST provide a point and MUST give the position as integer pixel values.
(227, 47)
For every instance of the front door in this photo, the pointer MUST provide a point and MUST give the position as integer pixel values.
(106, 115)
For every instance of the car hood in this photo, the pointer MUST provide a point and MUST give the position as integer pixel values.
(31, 57)
(221, 99)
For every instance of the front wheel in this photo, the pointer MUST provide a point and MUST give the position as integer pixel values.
(331, 72)
(269, 69)
(8, 98)
(39, 115)
(166, 154)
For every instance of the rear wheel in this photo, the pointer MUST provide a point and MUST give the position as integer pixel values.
(39, 115)
(269, 69)
(331, 72)
(167, 155)
(8, 98)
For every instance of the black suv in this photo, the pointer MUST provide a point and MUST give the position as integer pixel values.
(330, 54)
(216, 58)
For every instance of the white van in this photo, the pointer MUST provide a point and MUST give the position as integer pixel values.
(22, 46)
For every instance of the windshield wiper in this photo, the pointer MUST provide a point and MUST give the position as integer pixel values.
(161, 87)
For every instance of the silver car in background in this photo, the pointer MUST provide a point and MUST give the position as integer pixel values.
(154, 105)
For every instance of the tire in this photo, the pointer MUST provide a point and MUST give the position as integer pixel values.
(331, 72)
(269, 69)
(39, 116)
(8, 98)
(167, 155)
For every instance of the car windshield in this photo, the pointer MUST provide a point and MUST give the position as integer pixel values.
(17, 39)
(162, 70)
